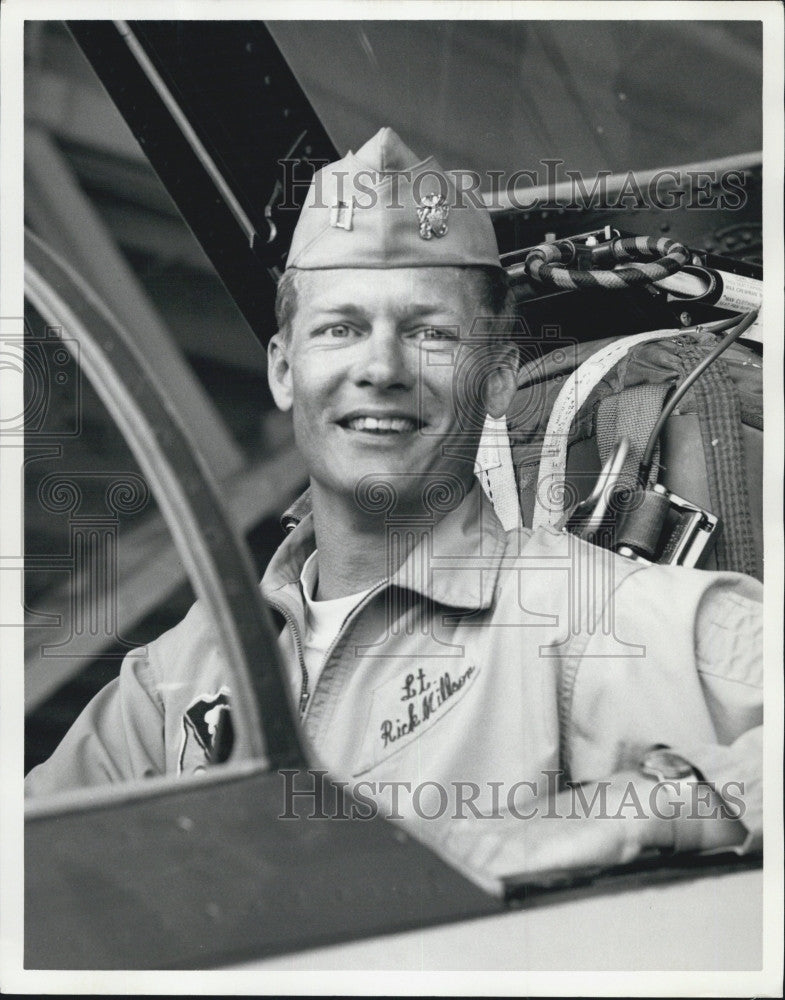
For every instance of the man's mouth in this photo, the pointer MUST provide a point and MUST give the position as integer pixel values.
(381, 425)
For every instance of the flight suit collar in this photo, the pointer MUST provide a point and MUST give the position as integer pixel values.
(456, 561)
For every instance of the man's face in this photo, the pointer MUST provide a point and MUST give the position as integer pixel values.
(378, 374)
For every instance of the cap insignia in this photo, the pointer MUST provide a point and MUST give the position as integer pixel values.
(432, 215)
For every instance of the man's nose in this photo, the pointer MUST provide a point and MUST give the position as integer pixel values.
(384, 363)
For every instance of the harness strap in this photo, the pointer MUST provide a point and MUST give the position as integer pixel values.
(719, 416)
(631, 413)
(550, 490)
(494, 468)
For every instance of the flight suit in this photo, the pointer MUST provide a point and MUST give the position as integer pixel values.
(503, 661)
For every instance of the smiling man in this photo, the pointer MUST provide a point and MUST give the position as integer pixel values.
(367, 362)
(521, 700)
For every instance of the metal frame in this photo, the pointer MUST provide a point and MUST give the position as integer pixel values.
(218, 563)
(245, 242)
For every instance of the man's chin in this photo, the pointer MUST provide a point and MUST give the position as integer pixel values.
(391, 489)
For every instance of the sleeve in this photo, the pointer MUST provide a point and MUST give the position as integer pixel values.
(119, 736)
(728, 655)
(681, 666)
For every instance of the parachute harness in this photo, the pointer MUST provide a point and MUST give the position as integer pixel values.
(547, 263)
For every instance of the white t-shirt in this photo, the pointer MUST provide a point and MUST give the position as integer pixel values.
(323, 619)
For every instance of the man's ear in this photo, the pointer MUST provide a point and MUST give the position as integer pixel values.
(279, 372)
(501, 382)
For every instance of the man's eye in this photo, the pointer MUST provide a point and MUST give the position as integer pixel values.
(338, 331)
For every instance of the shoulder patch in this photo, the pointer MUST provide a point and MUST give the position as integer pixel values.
(207, 732)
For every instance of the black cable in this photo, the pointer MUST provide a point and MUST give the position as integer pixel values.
(716, 326)
(745, 323)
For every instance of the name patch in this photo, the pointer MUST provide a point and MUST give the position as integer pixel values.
(414, 701)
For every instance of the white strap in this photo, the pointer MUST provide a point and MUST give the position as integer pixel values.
(574, 393)
(493, 467)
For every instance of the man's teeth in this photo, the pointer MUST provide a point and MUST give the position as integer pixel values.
(396, 425)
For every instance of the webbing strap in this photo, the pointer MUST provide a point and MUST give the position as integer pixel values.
(493, 467)
(631, 413)
(719, 416)
(551, 475)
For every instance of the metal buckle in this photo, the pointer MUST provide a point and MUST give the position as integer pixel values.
(689, 532)
(590, 514)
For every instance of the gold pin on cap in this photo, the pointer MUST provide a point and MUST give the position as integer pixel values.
(432, 213)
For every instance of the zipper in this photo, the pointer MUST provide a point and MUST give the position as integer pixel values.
(304, 692)
(355, 611)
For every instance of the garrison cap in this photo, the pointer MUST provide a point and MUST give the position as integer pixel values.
(383, 207)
